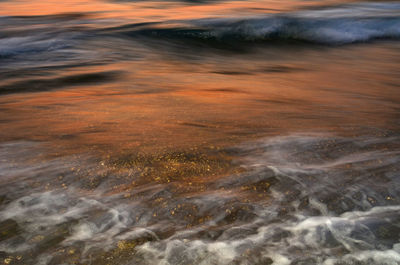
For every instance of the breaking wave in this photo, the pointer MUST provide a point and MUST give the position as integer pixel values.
(332, 26)
(27, 37)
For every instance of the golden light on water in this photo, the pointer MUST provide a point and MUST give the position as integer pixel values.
(199, 132)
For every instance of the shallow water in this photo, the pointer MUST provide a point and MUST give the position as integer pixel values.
(199, 132)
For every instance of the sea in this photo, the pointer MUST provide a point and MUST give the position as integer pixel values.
(199, 132)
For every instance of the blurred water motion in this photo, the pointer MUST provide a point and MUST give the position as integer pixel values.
(199, 132)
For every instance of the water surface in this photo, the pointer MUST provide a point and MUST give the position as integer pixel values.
(199, 132)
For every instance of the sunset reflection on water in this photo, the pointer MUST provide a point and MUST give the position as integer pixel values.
(163, 105)
(199, 132)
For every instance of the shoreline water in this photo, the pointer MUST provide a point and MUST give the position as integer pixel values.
(311, 190)
(244, 132)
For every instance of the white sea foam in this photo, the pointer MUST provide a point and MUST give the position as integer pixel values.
(336, 25)
(318, 210)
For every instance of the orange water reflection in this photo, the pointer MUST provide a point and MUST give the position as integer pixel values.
(145, 11)
(165, 106)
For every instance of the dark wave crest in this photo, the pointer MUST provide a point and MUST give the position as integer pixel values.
(340, 25)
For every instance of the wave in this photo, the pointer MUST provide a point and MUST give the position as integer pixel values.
(75, 36)
(332, 26)
(36, 34)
